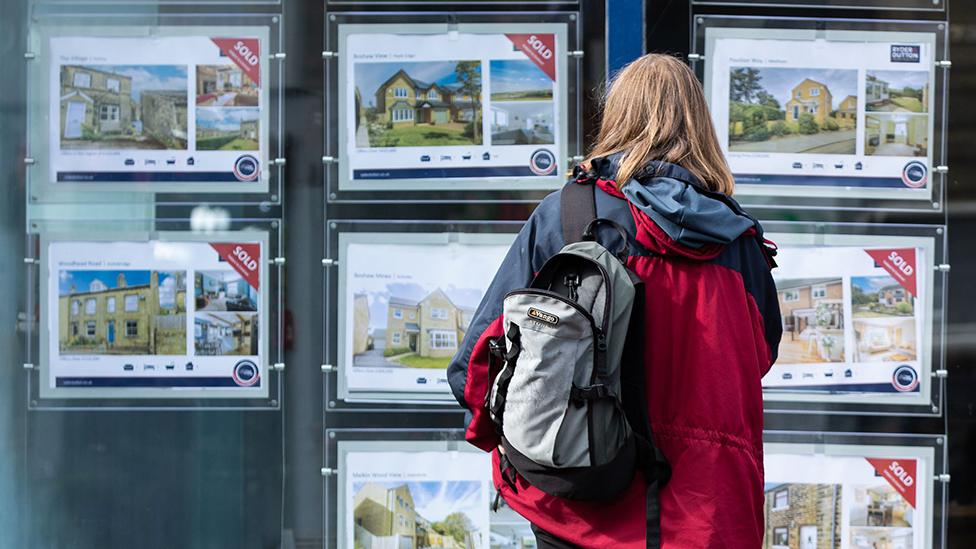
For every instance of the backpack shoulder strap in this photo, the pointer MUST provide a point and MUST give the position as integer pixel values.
(577, 208)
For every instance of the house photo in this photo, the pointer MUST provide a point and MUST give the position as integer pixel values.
(884, 320)
(123, 107)
(417, 104)
(896, 134)
(812, 310)
(122, 313)
(228, 129)
(787, 110)
(223, 291)
(225, 86)
(802, 516)
(522, 123)
(223, 334)
(896, 91)
(416, 514)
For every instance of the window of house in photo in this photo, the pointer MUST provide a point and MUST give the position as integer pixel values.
(781, 537)
(443, 340)
(399, 92)
(82, 80)
(110, 304)
(131, 328)
(75, 307)
(819, 292)
(112, 84)
(197, 330)
(799, 94)
(791, 295)
(131, 303)
(413, 315)
(90, 306)
(396, 338)
(814, 91)
(90, 328)
(432, 94)
(109, 112)
(397, 313)
(438, 313)
(781, 499)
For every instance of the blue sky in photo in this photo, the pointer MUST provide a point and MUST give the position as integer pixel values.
(780, 82)
(225, 118)
(369, 76)
(901, 79)
(82, 280)
(510, 75)
(150, 77)
(871, 284)
(434, 500)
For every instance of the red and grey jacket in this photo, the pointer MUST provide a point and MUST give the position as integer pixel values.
(712, 326)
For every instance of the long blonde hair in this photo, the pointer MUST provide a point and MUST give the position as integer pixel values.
(655, 109)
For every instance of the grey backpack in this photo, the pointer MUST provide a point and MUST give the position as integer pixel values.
(568, 394)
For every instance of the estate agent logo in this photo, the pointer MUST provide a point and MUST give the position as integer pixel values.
(548, 318)
(245, 373)
(246, 168)
(915, 174)
(542, 162)
(905, 379)
(906, 54)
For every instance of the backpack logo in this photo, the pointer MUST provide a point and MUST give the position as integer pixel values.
(548, 318)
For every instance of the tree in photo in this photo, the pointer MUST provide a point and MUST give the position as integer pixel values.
(457, 525)
(744, 85)
(468, 74)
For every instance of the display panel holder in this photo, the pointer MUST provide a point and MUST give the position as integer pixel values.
(339, 397)
(504, 523)
(51, 21)
(932, 374)
(474, 190)
(894, 5)
(780, 192)
(267, 231)
(930, 449)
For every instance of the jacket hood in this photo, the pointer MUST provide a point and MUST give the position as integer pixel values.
(677, 203)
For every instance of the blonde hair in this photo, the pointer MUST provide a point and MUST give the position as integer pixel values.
(655, 109)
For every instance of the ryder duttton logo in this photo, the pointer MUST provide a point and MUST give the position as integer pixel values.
(906, 54)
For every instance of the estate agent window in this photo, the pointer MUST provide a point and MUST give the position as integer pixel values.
(90, 306)
(131, 328)
(791, 295)
(75, 307)
(82, 80)
(131, 303)
(110, 305)
(781, 499)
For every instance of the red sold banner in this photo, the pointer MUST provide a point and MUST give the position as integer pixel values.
(900, 264)
(900, 474)
(244, 258)
(540, 48)
(245, 53)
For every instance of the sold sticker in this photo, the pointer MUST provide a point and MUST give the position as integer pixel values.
(245, 53)
(539, 48)
(900, 264)
(900, 474)
(244, 258)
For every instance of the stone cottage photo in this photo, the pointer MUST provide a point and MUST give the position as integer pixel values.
(132, 312)
(787, 110)
(418, 104)
(228, 128)
(123, 107)
(418, 515)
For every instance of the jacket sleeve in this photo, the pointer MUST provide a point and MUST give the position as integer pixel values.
(539, 239)
(772, 319)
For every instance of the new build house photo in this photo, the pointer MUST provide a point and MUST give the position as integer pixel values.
(416, 515)
(884, 320)
(418, 104)
(123, 107)
(133, 312)
(787, 110)
(813, 320)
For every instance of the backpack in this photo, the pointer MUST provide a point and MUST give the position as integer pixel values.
(567, 395)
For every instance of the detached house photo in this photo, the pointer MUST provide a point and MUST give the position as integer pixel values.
(418, 104)
(122, 313)
(802, 516)
(416, 515)
(123, 107)
(884, 320)
(785, 110)
(813, 320)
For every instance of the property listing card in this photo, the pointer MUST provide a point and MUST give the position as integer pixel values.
(848, 114)
(431, 109)
(406, 302)
(167, 110)
(172, 316)
(848, 497)
(857, 319)
(415, 499)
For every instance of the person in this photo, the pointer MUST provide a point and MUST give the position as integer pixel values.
(711, 321)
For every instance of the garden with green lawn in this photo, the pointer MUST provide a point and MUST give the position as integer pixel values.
(420, 135)
(417, 361)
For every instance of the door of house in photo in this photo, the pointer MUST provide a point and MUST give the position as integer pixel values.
(108, 118)
(74, 117)
(110, 333)
(808, 537)
(423, 116)
(413, 342)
